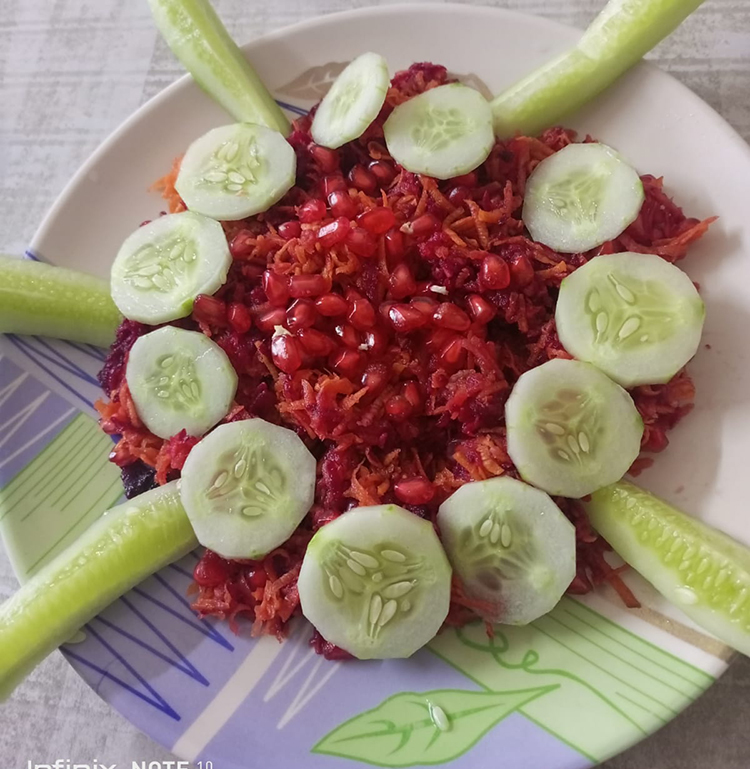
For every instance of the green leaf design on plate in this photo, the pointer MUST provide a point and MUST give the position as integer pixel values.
(434, 727)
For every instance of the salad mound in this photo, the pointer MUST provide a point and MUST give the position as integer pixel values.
(385, 316)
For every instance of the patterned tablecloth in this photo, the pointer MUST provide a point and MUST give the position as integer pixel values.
(70, 72)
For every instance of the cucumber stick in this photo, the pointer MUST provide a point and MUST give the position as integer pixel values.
(126, 545)
(618, 38)
(200, 41)
(697, 568)
(39, 299)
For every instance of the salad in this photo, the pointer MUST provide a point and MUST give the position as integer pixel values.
(389, 364)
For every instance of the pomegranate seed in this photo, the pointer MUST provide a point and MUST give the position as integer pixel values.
(522, 271)
(301, 314)
(348, 335)
(334, 183)
(395, 246)
(360, 242)
(466, 180)
(426, 305)
(383, 171)
(306, 286)
(334, 233)
(412, 394)
(448, 315)
(289, 230)
(414, 491)
(398, 407)
(268, 321)
(457, 196)
(438, 339)
(423, 226)
(315, 342)
(385, 311)
(376, 341)
(348, 363)
(242, 244)
(481, 310)
(257, 578)
(341, 204)
(312, 211)
(327, 159)
(331, 305)
(377, 220)
(276, 287)
(402, 282)
(405, 318)
(494, 273)
(239, 318)
(453, 352)
(211, 570)
(362, 313)
(375, 378)
(208, 309)
(363, 179)
(286, 353)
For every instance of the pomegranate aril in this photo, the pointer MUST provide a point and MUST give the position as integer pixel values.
(438, 339)
(268, 321)
(239, 318)
(522, 271)
(242, 244)
(452, 352)
(402, 283)
(311, 211)
(289, 230)
(385, 311)
(423, 226)
(377, 220)
(348, 335)
(426, 305)
(466, 180)
(301, 314)
(362, 313)
(341, 204)
(326, 159)
(398, 407)
(315, 342)
(375, 378)
(414, 491)
(306, 286)
(457, 196)
(481, 310)
(330, 235)
(383, 171)
(257, 578)
(448, 315)
(360, 242)
(331, 305)
(363, 179)
(348, 363)
(211, 570)
(395, 246)
(286, 353)
(276, 287)
(413, 395)
(208, 309)
(405, 318)
(376, 341)
(494, 273)
(334, 183)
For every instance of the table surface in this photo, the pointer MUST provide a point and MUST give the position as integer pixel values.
(70, 72)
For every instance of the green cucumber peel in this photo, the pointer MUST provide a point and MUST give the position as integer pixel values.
(38, 299)
(203, 46)
(617, 39)
(127, 544)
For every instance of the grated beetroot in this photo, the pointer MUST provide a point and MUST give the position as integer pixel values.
(414, 306)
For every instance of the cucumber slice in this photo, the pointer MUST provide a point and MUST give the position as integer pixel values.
(376, 582)
(115, 553)
(179, 380)
(443, 132)
(41, 300)
(236, 171)
(571, 429)
(247, 486)
(697, 568)
(619, 37)
(353, 102)
(203, 46)
(164, 265)
(635, 316)
(512, 547)
(580, 197)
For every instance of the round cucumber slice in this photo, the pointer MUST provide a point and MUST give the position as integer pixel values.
(635, 316)
(180, 380)
(376, 582)
(571, 429)
(353, 102)
(699, 569)
(246, 486)
(580, 197)
(164, 265)
(236, 171)
(443, 132)
(512, 547)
